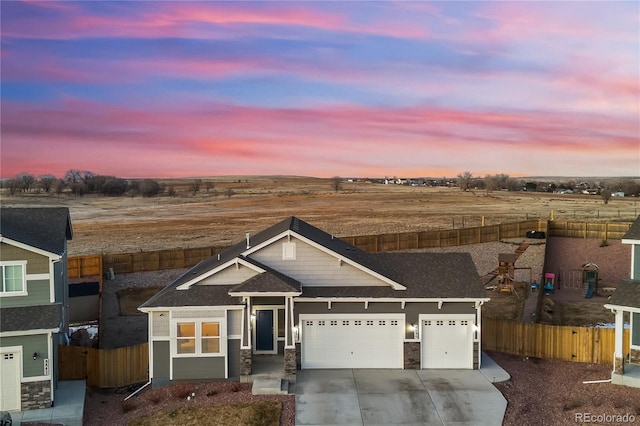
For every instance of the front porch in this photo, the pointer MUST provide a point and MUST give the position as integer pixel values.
(630, 377)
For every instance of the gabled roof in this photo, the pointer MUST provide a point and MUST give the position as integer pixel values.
(45, 228)
(426, 275)
(634, 232)
(419, 275)
(627, 294)
(41, 317)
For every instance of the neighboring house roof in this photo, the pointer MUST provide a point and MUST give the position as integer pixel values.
(627, 294)
(634, 232)
(45, 228)
(41, 317)
(425, 275)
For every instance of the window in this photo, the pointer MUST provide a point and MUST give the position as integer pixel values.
(210, 337)
(186, 338)
(198, 338)
(12, 278)
(289, 251)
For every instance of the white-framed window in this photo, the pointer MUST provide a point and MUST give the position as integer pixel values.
(13, 279)
(202, 337)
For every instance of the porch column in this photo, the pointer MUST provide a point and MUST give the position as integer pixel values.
(618, 355)
(245, 343)
(289, 341)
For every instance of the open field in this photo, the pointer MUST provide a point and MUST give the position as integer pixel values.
(128, 224)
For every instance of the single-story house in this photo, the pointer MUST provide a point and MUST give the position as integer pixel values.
(625, 303)
(296, 292)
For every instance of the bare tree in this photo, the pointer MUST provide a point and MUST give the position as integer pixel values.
(464, 181)
(60, 185)
(47, 182)
(25, 181)
(208, 185)
(229, 192)
(606, 194)
(336, 183)
(490, 183)
(195, 186)
(73, 176)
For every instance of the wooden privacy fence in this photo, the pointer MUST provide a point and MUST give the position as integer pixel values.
(180, 258)
(579, 344)
(84, 266)
(105, 368)
(602, 231)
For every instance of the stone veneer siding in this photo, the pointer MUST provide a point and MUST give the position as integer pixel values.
(618, 365)
(245, 362)
(411, 355)
(298, 357)
(634, 356)
(476, 355)
(290, 363)
(36, 395)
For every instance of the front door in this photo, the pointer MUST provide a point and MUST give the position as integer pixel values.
(264, 330)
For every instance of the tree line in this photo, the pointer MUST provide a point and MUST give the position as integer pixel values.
(605, 187)
(81, 182)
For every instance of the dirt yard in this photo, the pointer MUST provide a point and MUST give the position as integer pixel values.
(128, 224)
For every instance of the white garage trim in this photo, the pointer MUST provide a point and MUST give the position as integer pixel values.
(352, 340)
(10, 384)
(446, 340)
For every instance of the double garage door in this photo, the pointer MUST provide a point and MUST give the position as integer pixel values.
(352, 341)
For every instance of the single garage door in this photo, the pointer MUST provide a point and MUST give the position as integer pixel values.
(9, 381)
(352, 342)
(447, 343)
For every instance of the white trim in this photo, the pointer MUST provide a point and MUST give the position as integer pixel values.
(27, 247)
(192, 308)
(630, 241)
(622, 308)
(37, 379)
(633, 256)
(198, 337)
(29, 332)
(151, 339)
(389, 299)
(263, 294)
(235, 261)
(37, 277)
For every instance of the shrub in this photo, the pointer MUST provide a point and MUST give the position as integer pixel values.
(212, 392)
(128, 405)
(155, 396)
(181, 390)
(236, 387)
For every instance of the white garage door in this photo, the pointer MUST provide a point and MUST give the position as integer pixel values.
(447, 343)
(352, 342)
(9, 381)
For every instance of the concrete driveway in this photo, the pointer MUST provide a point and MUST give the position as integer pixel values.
(388, 397)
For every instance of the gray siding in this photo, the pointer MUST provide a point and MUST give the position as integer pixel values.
(233, 350)
(411, 311)
(161, 359)
(37, 294)
(313, 267)
(198, 368)
(37, 343)
(84, 308)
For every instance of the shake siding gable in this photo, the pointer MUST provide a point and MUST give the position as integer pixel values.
(160, 327)
(230, 275)
(314, 267)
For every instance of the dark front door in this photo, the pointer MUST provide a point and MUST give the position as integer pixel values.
(264, 330)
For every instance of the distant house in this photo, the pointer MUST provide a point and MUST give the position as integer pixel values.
(299, 295)
(33, 304)
(626, 301)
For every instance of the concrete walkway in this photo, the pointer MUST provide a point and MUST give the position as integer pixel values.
(393, 397)
(68, 408)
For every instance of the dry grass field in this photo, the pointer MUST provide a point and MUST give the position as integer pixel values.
(212, 218)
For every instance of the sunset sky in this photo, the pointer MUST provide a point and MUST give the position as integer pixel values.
(368, 89)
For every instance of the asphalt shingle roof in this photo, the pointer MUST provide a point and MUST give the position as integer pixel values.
(634, 232)
(425, 275)
(46, 228)
(30, 317)
(627, 294)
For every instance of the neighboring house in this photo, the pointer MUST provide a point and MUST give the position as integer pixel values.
(33, 303)
(625, 303)
(295, 292)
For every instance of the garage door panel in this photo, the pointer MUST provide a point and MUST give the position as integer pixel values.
(352, 343)
(447, 343)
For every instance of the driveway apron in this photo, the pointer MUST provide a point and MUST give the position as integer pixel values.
(391, 397)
